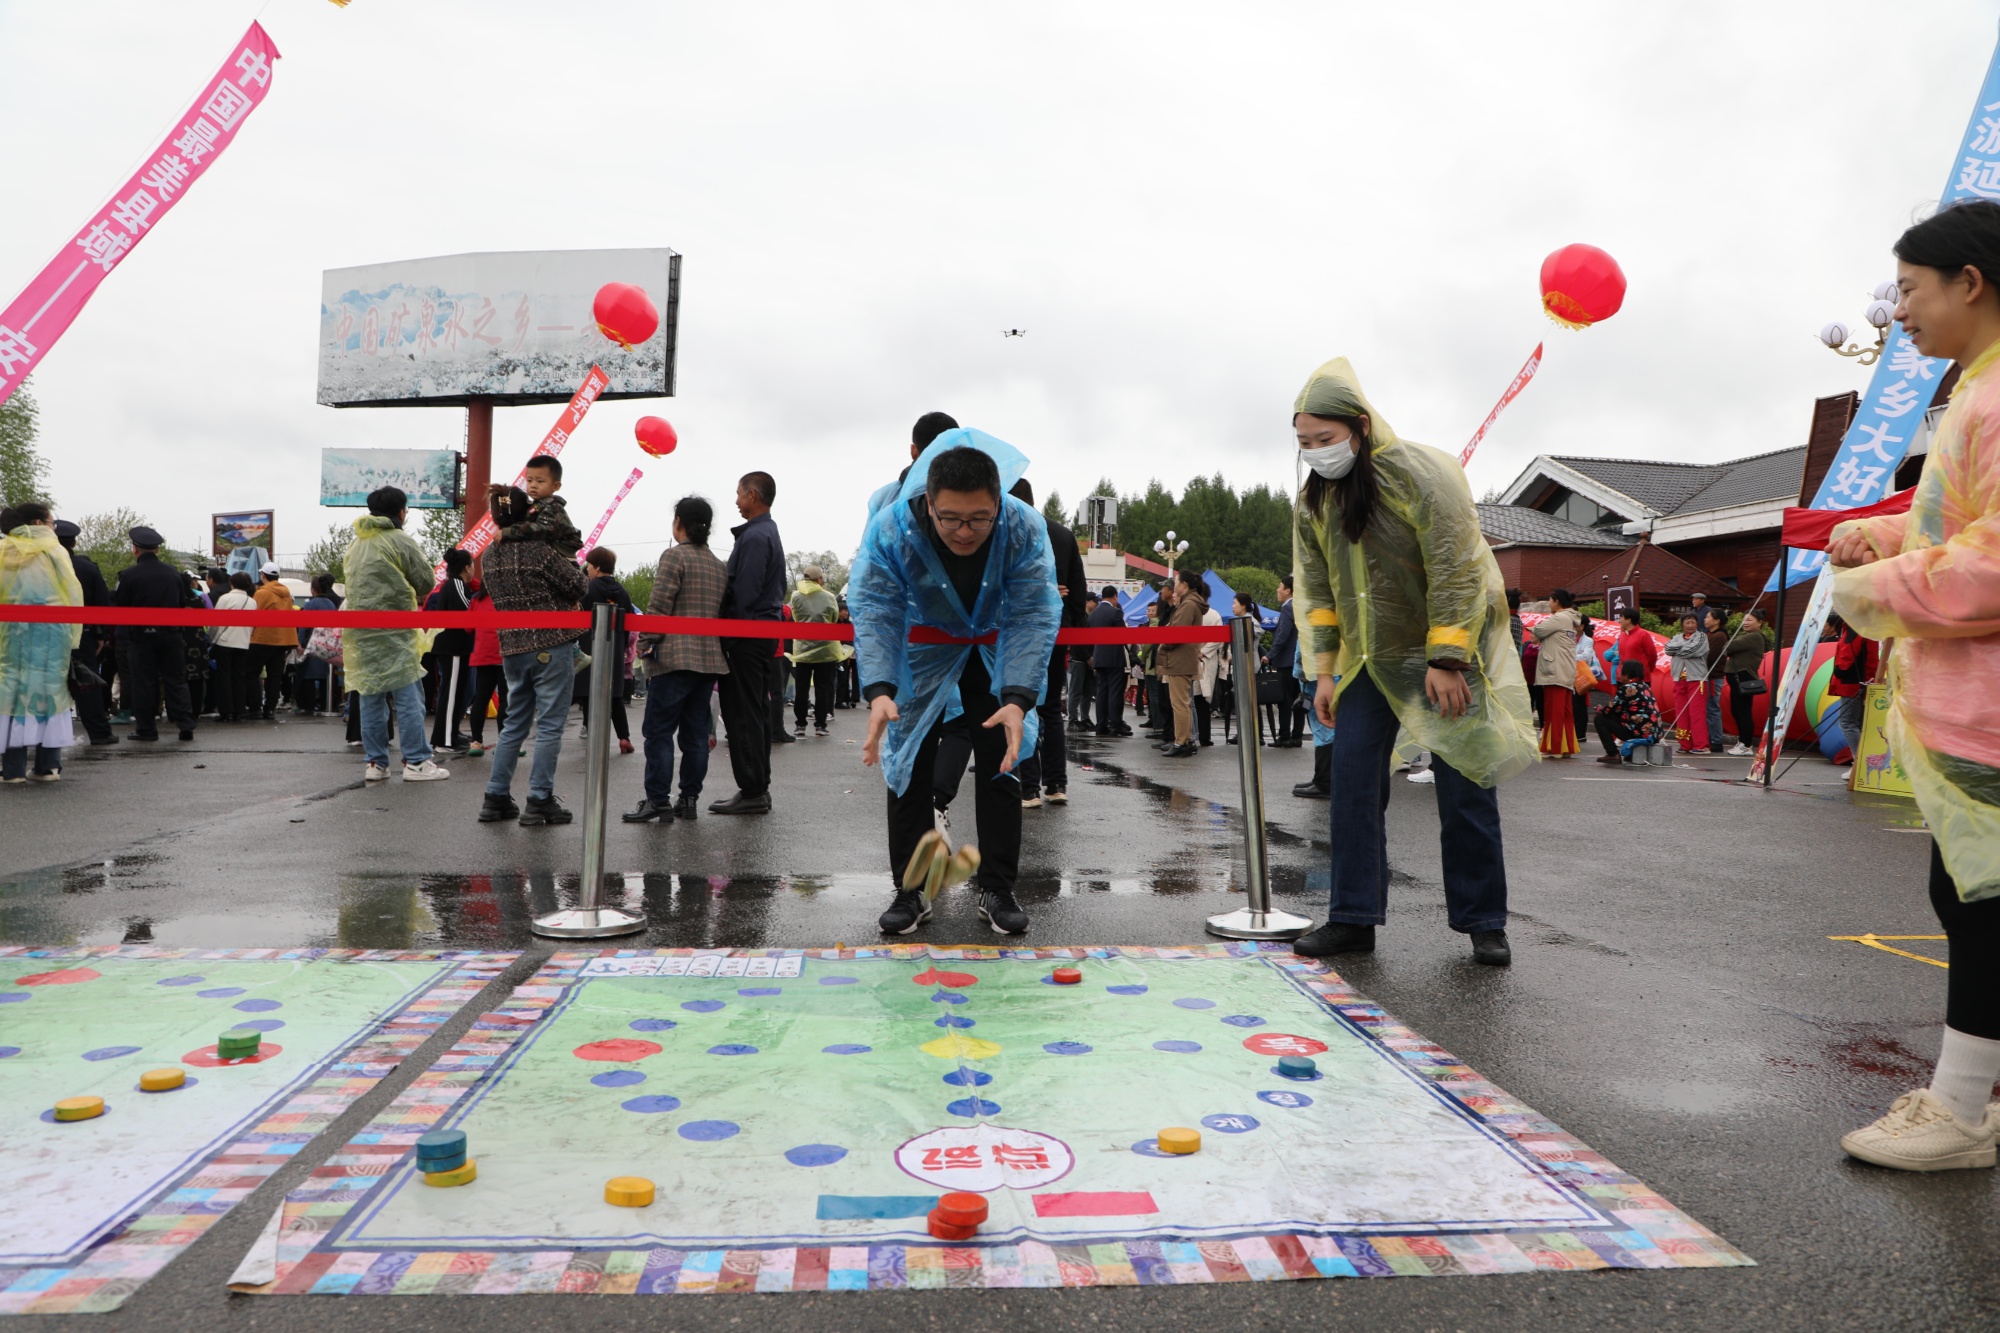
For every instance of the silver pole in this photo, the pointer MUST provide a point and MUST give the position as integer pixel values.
(589, 919)
(1257, 921)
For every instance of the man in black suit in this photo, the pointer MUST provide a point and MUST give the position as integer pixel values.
(1107, 660)
(1045, 773)
(156, 654)
(1284, 647)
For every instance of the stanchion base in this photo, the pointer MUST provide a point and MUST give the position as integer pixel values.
(1248, 924)
(589, 923)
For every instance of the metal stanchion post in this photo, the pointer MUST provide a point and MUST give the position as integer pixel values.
(1257, 921)
(589, 919)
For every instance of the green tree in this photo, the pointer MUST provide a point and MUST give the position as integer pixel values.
(22, 468)
(439, 530)
(1222, 527)
(830, 564)
(326, 556)
(106, 538)
(639, 585)
(1052, 509)
(1261, 584)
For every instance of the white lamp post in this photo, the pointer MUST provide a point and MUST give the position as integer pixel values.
(1881, 313)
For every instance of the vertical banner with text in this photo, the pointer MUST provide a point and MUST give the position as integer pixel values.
(483, 532)
(602, 523)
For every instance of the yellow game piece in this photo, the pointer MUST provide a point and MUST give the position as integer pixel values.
(162, 1080)
(628, 1191)
(465, 1175)
(79, 1108)
(1180, 1140)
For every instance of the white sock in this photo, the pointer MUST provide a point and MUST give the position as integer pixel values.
(1966, 1070)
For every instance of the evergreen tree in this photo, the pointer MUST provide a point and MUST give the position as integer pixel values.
(22, 468)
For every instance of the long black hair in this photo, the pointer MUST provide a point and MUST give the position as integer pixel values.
(1961, 236)
(1356, 493)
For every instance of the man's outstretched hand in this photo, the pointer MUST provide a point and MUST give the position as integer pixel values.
(1010, 717)
(881, 712)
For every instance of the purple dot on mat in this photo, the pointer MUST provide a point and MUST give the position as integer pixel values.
(1291, 1101)
(7, 1052)
(846, 1048)
(972, 1107)
(181, 981)
(1177, 1047)
(949, 997)
(968, 1078)
(1151, 1148)
(257, 1006)
(702, 1006)
(1126, 990)
(1049, 980)
(709, 1131)
(1230, 1124)
(220, 992)
(952, 1021)
(1188, 1002)
(1244, 1021)
(16, 996)
(1067, 1048)
(837, 981)
(262, 1024)
(652, 1105)
(109, 1052)
(814, 1154)
(762, 990)
(732, 1048)
(652, 1025)
(618, 1078)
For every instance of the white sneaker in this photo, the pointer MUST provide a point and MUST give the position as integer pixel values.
(1057, 797)
(428, 771)
(1424, 776)
(1739, 749)
(375, 773)
(942, 823)
(1919, 1134)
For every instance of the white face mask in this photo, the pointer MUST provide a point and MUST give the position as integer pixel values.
(1333, 462)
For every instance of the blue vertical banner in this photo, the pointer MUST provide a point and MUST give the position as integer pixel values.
(1905, 383)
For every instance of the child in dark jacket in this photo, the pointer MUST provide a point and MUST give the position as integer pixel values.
(1632, 718)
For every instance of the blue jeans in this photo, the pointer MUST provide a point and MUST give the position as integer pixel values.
(1713, 688)
(1475, 874)
(539, 686)
(409, 705)
(676, 705)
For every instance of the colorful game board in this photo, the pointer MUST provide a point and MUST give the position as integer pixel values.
(801, 1112)
(95, 1207)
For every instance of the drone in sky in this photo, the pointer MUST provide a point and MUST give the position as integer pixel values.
(1013, 333)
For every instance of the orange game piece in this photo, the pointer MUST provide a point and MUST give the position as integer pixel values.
(945, 1231)
(961, 1209)
(1068, 976)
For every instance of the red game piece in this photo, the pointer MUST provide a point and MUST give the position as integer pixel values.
(960, 1209)
(1068, 976)
(945, 1231)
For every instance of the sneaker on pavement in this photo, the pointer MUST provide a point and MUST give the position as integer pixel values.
(1335, 937)
(910, 910)
(1031, 802)
(1056, 796)
(428, 771)
(544, 810)
(1002, 913)
(494, 809)
(820, 733)
(1738, 750)
(45, 777)
(1423, 776)
(1919, 1134)
(475, 750)
(374, 773)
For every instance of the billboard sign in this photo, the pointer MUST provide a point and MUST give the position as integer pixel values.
(242, 527)
(513, 326)
(428, 476)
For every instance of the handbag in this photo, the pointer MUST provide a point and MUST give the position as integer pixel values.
(1270, 686)
(82, 677)
(1748, 683)
(324, 645)
(1585, 678)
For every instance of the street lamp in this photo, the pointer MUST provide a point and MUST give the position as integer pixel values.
(1881, 313)
(1170, 551)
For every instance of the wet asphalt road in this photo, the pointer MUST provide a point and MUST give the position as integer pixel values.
(1675, 1001)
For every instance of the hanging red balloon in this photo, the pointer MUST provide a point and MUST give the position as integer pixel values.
(656, 436)
(625, 314)
(1581, 285)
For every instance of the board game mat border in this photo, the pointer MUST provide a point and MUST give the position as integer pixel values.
(1653, 1233)
(183, 1210)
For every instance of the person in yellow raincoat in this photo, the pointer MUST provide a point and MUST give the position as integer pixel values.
(1930, 580)
(1403, 622)
(35, 570)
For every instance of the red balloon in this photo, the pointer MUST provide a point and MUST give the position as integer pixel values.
(625, 314)
(656, 436)
(1581, 285)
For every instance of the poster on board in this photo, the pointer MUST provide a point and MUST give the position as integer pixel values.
(240, 527)
(429, 477)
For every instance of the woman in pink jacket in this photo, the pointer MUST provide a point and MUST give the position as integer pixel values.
(1930, 580)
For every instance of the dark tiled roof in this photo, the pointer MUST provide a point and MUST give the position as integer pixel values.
(1660, 573)
(1750, 480)
(1688, 488)
(1515, 525)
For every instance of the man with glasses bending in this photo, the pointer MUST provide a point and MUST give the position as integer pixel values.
(969, 567)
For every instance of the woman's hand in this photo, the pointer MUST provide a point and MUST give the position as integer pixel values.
(1323, 700)
(1850, 550)
(881, 712)
(1448, 691)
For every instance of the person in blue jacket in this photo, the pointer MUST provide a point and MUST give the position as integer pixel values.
(954, 555)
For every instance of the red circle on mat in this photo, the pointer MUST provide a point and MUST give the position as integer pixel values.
(206, 1058)
(617, 1049)
(955, 980)
(68, 976)
(1283, 1043)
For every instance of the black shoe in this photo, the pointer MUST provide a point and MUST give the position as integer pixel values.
(1208, 744)
(686, 808)
(1155, 735)
(1335, 937)
(1491, 948)
(820, 733)
(906, 913)
(106, 740)
(1182, 751)
(493, 809)
(1002, 912)
(646, 812)
(1166, 748)
(1309, 791)
(742, 803)
(135, 736)
(799, 730)
(187, 733)
(545, 810)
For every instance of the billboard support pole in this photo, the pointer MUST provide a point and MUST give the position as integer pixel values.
(478, 458)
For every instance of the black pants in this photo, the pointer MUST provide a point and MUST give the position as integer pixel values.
(746, 711)
(1201, 713)
(1110, 699)
(267, 660)
(1081, 694)
(232, 679)
(620, 723)
(1609, 731)
(1291, 720)
(157, 662)
(486, 682)
(953, 753)
(454, 697)
(89, 699)
(997, 797)
(1741, 708)
(781, 678)
(818, 677)
(1972, 943)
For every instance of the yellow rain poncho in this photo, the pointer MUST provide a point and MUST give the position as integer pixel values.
(386, 571)
(34, 659)
(1935, 590)
(1421, 585)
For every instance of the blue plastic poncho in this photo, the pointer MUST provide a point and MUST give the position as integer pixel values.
(898, 581)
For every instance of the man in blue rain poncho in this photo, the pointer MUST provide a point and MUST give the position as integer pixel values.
(955, 556)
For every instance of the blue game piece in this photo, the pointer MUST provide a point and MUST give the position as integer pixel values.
(1296, 1066)
(433, 1165)
(440, 1144)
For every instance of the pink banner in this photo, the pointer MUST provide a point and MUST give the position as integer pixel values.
(1513, 392)
(37, 317)
(616, 500)
(483, 533)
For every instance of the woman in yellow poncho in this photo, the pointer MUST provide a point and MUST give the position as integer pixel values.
(1930, 580)
(1404, 623)
(35, 570)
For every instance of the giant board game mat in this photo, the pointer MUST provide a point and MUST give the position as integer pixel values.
(801, 1112)
(95, 1207)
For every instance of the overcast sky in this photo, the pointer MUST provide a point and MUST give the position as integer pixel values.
(1188, 207)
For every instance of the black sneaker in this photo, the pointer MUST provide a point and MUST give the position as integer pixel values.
(1002, 912)
(187, 733)
(799, 729)
(646, 812)
(1335, 937)
(493, 809)
(906, 913)
(819, 733)
(545, 810)
(1491, 948)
